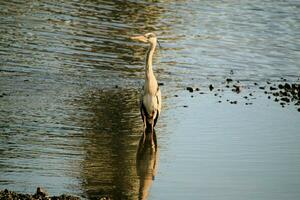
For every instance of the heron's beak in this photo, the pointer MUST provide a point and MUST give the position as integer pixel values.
(139, 38)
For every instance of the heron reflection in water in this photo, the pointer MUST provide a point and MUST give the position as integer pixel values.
(150, 101)
(146, 162)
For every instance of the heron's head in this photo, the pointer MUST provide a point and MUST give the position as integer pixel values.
(147, 38)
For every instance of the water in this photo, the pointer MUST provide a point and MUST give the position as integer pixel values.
(69, 86)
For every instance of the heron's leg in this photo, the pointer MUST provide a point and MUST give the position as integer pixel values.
(145, 127)
(152, 133)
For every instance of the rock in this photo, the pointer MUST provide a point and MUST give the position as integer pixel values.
(161, 84)
(211, 87)
(285, 99)
(255, 84)
(262, 88)
(190, 89)
(273, 88)
(40, 192)
(268, 82)
(298, 109)
(197, 89)
(233, 102)
(280, 86)
(237, 88)
(276, 94)
(116, 86)
(175, 95)
(287, 86)
(228, 80)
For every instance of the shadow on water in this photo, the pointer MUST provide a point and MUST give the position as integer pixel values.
(146, 162)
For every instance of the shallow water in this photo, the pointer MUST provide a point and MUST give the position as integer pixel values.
(69, 86)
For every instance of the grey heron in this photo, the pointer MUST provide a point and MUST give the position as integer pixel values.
(150, 101)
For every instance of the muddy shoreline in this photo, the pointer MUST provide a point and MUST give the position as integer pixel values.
(40, 194)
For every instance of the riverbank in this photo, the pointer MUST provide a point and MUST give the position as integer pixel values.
(40, 194)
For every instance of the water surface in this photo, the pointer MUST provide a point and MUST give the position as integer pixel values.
(70, 81)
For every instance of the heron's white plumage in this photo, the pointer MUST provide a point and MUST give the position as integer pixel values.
(151, 96)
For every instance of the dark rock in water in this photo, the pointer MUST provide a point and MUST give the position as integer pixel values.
(185, 106)
(219, 101)
(190, 89)
(227, 86)
(192, 96)
(287, 86)
(273, 88)
(283, 79)
(283, 93)
(233, 102)
(298, 109)
(201, 93)
(245, 97)
(280, 86)
(276, 100)
(276, 94)
(197, 89)
(262, 88)
(265, 92)
(175, 95)
(255, 84)
(268, 82)
(216, 94)
(250, 94)
(161, 84)
(237, 88)
(116, 86)
(211, 87)
(297, 103)
(269, 97)
(228, 80)
(285, 99)
(282, 104)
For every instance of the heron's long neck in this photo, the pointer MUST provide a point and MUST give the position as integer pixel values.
(149, 57)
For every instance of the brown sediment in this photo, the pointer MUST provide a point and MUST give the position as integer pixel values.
(41, 194)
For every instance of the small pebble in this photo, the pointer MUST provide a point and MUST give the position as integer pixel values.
(211, 87)
(190, 89)
(228, 80)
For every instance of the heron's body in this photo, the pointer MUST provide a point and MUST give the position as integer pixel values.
(150, 102)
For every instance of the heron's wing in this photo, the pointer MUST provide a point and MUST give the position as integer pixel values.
(158, 99)
(143, 109)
